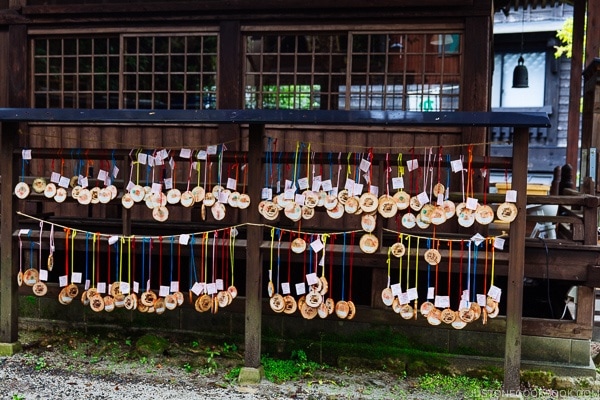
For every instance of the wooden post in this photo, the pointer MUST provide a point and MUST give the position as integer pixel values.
(516, 264)
(9, 300)
(253, 254)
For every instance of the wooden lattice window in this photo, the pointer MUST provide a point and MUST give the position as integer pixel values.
(354, 71)
(175, 71)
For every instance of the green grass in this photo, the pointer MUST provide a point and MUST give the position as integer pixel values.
(298, 366)
(470, 388)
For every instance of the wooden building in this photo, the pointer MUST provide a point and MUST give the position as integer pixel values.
(261, 93)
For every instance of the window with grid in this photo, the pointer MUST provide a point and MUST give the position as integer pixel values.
(129, 71)
(354, 71)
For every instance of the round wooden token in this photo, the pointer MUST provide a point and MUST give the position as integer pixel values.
(115, 289)
(270, 210)
(351, 310)
(85, 197)
(426, 308)
(387, 207)
(243, 201)
(85, 300)
(396, 307)
(20, 278)
(322, 196)
(277, 303)
(308, 312)
(409, 221)
(232, 291)
(398, 249)
(301, 302)
(476, 308)
(314, 299)
(270, 289)
(50, 262)
(484, 214)
(159, 306)
(72, 290)
(307, 212)
(402, 200)
(40, 289)
(198, 193)
(466, 315)
(324, 286)
(351, 206)
(113, 191)
(142, 308)
(173, 196)
(61, 195)
(148, 298)
(494, 312)
(369, 243)
(330, 304)
(38, 185)
(342, 309)
(22, 190)
(63, 298)
(439, 189)
(317, 286)
(223, 298)
(218, 211)
(209, 199)
(311, 199)
(75, 192)
(448, 316)
(368, 202)
(290, 304)
(104, 196)
(298, 245)
(206, 302)
(415, 204)
(507, 212)
(109, 303)
(406, 311)
(458, 323)
(490, 304)
(293, 211)
(187, 199)
(126, 201)
(449, 208)
(234, 199)
(322, 311)
(50, 190)
(96, 302)
(434, 317)
(433, 257)
(367, 222)
(128, 302)
(425, 213)
(438, 216)
(337, 211)
(342, 196)
(330, 202)
(387, 296)
(30, 276)
(119, 300)
(484, 315)
(420, 223)
(95, 193)
(466, 218)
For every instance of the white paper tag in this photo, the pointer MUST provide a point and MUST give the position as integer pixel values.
(211, 288)
(316, 184)
(266, 193)
(456, 165)
(185, 153)
(26, 154)
(115, 171)
(219, 284)
(413, 294)
(300, 289)
(196, 288)
(136, 287)
(423, 198)
(168, 183)
(317, 245)
(184, 239)
(101, 287)
(312, 279)
(463, 304)
(231, 184)
(163, 291)
(430, 293)
(142, 158)
(481, 300)
(465, 295)
(472, 203)
(64, 182)
(349, 185)
(151, 160)
(442, 302)
(412, 164)
(374, 190)
(24, 232)
(124, 286)
(63, 280)
(326, 185)
(76, 277)
(499, 243)
(54, 177)
(299, 199)
(397, 182)
(358, 189)
(511, 196)
(223, 197)
(156, 188)
(102, 174)
(495, 293)
(477, 239)
(285, 288)
(289, 194)
(201, 155)
(396, 289)
(130, 186)
(403, 298)
(365, 165)
(86, 286)
(211, 150)
(303, 183)
(440, 199)
(43, 275)
(83, 181)
(174, 286)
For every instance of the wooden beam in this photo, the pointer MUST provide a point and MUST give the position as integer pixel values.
(254, 287)
(516, 263)
(575, 88)
(8, 270)
(592, 35)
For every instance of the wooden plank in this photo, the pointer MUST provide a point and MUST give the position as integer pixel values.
(254, 287)
(514, 295)
(575, 87)
(9, 309)
(586, 299)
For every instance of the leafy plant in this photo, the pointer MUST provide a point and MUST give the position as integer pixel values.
(233, 374)
(229, 348)
(286, 370)
(472, 388)
(17, 397)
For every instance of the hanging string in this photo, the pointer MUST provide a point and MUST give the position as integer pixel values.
(475, 255)
(343, 266)
(351, 264)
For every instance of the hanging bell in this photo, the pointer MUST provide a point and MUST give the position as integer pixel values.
(520, 75)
